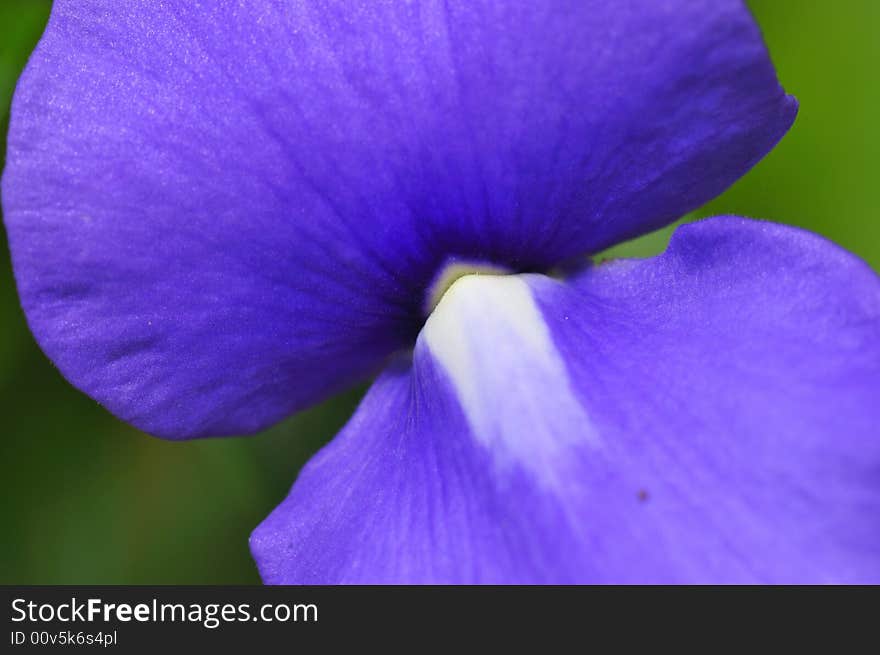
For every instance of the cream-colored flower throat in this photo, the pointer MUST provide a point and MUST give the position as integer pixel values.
(453, 272)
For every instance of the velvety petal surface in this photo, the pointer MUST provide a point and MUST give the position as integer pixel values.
(221, 211)
(708, 415)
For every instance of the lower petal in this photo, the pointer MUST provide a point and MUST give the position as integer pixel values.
(708, 415)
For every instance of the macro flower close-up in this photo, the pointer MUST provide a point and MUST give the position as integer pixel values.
(222, 213)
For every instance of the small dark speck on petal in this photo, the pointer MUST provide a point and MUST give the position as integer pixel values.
(642, 495)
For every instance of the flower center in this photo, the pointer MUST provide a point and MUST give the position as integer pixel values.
(453, 271)
(492, 340)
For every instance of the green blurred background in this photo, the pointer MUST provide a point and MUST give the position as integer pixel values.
(87, 499)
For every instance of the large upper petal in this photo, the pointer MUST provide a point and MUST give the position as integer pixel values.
(709, 415)
(221, 211)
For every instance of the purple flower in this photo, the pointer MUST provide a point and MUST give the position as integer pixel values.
(222, 212)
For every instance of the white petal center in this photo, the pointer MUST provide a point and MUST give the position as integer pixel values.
(490, 337)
